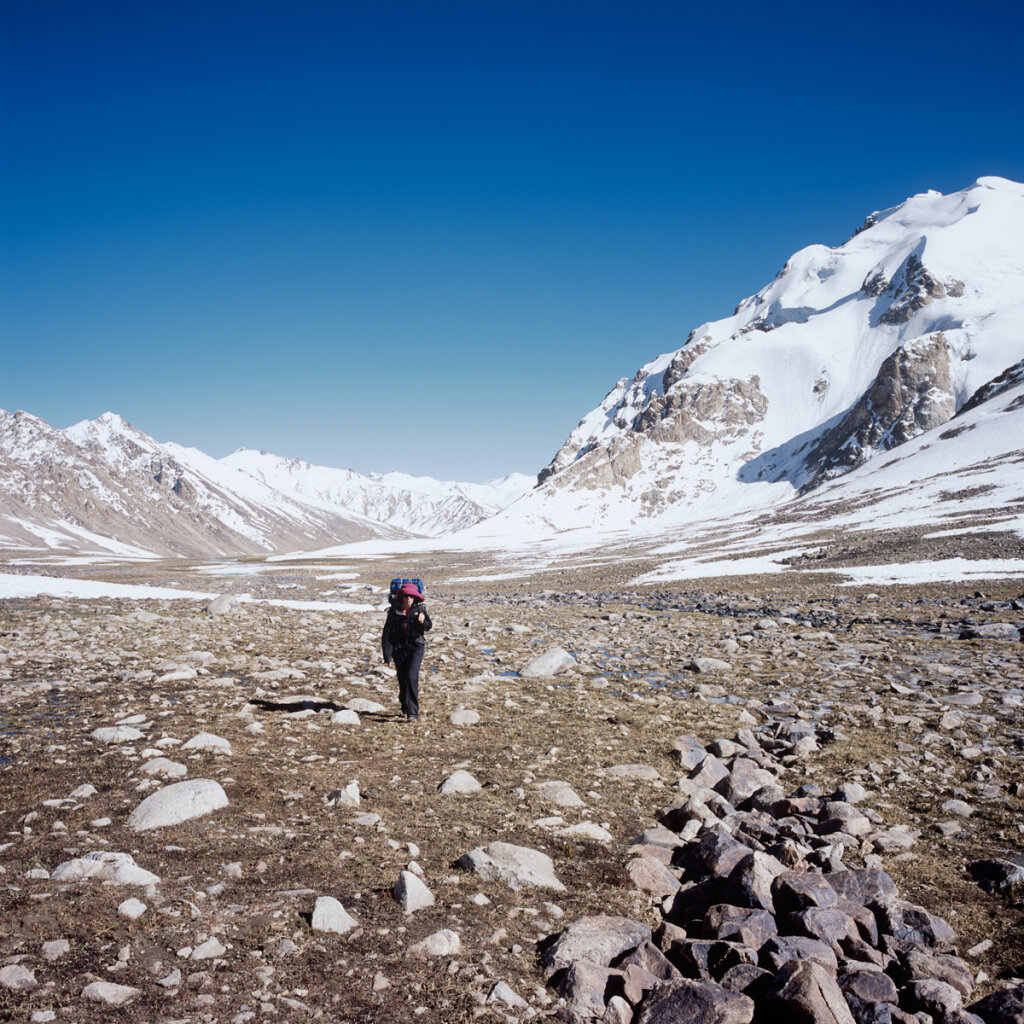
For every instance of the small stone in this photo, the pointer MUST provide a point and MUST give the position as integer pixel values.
(442, 943)
(56, 949)
(133, 909)
(165, 768)
(209, 950)
(17, 978)
(459, 781)
(464, 716)
(503, 994)
(346, 797)
(411, 893)
(210, 742)
(347, 716)
(330, 916)
(110, 994)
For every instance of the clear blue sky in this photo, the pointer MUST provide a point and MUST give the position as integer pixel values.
(276, 224)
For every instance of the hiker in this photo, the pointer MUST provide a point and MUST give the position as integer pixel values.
(403, 642)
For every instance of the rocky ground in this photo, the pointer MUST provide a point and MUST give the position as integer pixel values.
(327, 877)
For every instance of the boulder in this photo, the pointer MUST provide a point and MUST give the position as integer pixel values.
(803, 990)
(516, 866)
(553, 662)
(696, 1002)
(181, 801)
(596, 940)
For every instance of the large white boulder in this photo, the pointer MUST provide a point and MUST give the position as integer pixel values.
(178, 802)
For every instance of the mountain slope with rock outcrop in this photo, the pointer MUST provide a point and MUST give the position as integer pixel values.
(848, 353)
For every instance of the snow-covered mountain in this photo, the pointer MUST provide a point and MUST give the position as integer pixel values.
(102, 485)
(849, 352)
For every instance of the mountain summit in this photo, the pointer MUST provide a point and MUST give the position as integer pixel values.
(847, 353)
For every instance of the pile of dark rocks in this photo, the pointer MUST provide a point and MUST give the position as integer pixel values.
(760, 917)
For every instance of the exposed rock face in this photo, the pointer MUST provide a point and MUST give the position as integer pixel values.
(912, 393)
(913, 288)
(849, 352)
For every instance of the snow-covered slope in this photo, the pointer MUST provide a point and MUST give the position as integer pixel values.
(420, 504)
(102, 485)
(847, 353)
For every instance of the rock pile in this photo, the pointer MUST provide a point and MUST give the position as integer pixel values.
(760, 915)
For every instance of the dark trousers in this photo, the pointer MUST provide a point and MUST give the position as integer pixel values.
(407, 665)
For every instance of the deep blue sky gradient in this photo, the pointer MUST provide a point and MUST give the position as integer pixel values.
(275, 225)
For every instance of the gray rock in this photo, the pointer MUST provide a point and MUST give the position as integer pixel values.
(411, 893)
(553, 662)
(582, 986)
(181, 801)
(104, 866)
(690, 750)
(442, 943)
(208, 950)
(117, 734)
(804, 990)
(459, 781)
(991, 631)
(696, 1002)
(462, 717)
(209, 742)
(110, 994)
(17, 978)
(330, 916)
(516, 866)
(649, 875)
(1003, 1007)
(596, 940)
(701, 665)
(345, 717)
(862, 885)
(56, 949)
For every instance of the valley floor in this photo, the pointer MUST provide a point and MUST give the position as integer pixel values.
(902, 703)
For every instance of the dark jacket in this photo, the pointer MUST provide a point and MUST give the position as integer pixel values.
(404, 632)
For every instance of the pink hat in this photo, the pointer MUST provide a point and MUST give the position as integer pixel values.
(410, 589)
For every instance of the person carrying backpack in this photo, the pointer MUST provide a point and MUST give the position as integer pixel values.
(403, 642)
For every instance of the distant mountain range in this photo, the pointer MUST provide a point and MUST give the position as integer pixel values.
(892, 365)
(104, 486)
